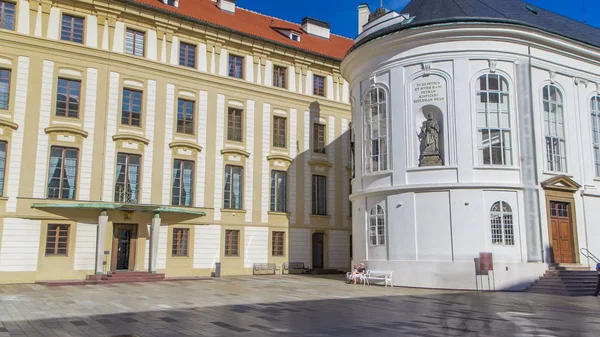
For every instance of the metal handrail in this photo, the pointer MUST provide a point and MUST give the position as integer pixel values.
(585, 252)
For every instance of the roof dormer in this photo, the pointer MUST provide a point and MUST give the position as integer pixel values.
(174, 3)
(226, 5)
(316, 27)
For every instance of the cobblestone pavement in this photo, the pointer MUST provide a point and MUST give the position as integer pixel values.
(286, 305)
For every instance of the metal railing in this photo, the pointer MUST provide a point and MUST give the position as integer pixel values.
(125, 195)
(585, 252)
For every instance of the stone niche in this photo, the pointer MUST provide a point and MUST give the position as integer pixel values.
(428, 98)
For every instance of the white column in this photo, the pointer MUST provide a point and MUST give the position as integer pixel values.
(100, 240)
(154, 234)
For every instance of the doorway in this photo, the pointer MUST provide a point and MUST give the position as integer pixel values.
(317, 250)
(561, 228)
(123, 247)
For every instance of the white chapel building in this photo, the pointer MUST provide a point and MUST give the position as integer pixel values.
(476, 128)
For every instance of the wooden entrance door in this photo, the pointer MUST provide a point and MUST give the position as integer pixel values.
(317, 250)
(562, 232)
(123, 247)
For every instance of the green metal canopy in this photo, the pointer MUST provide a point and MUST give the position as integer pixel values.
(104, 206)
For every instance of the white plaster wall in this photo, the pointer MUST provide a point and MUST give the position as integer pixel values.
(256, 245)
(207, 246)
(300, 246)
(223, 62)
(202, 57)
(201, 163)
(309, 83)
(85, 246)
(329, 87)
(307, 177)
(149, 149)
(23, 17)
(41, 163)
(331, 152)
(91, 31)
(168, 165)
(291, 72)
(152, 41)
(53, 24)
(249, 169)
(269, 73)
(249, 68)
(38, 22)
(174, 59)
(266, 173)
(433, 226)
(111, 129)
(345, 139)
(20, 246)
(292, 178)
(161, 260)
(218, 197)
(119, 37)
(339, 246)
(85, 166)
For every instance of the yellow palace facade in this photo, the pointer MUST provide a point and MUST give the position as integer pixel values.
(167, 137)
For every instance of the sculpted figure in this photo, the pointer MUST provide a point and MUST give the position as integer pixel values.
(431, 131)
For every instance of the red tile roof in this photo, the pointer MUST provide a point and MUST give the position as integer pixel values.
(255, 24)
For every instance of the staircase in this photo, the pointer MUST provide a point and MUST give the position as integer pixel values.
(122, 277)
(566, 280)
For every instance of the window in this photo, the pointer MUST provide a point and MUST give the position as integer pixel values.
(295, 37)
(501, 220)
(233, 187)
(180, 242)
(236, 66)
(7, 15)
(559, 209)
(2, 165)
(278, 243)
(319, 138)
(62, 173)
(318, 85)
(72, 29)
(127, 180)
(131, 112)
(185, 116)
(183, 182)
(57, 240)
(234, 125)
(595, 132)
(376, 153)
(377, 226)
(279, 76)
(134, 42)
(278, 191)
(493, 120)
(4, 88)
(279, 138)
(68, 95)
(319, 195)
(555, 129)
(187, 55)
(232, 242)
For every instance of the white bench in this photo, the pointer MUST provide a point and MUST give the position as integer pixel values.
(377, 276)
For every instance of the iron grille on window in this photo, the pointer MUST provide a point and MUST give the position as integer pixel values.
(187, 55)
(232, 242)
(185, 116)
(183, 182)
(279, 131)
(62, 173)
(501, 220)
(68, 95)
(7, 15)
(57, 240)
(4, 88)
(131, 111)
(493, 120)
(180, 242)
(278, 243)
(236, 67)
(234, 125)
(319, 138)
(127, 178)
(278, 191)
(318, 85)
(232, 196)
(319, 195)
(134, 42)
(279, 76)
(72, 29)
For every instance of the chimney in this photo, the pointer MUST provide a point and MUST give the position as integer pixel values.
(315, 27)
(226, 5)
(363, 16)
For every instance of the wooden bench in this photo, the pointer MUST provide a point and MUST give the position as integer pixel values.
(377, 276)
(291, 267)
(264, 268)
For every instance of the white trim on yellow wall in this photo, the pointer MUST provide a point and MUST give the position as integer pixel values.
(91, 31)
(111, 129)
(307, 177)
(89, 123)
(105, 36)
(331, 175)
(53, 24)
(345, 177)
(152, 45)
(39, 180)
(291, 78)
(249, 68)
(266, 174)
(256, 245)
(202, 57)
(292, 175)
(174, 60)
(269, 73)
(167, 165)
(163, 238)
(149, 149)
(85, 246)
(207, 246)
(223, 62)
(329, 87)
(300, 245)
(338, 249)
(20, 245)
(119, 37)
(201, 163)
(249, 169)
(309, 83)
(218, 193)
(23, 19)
(38, 21)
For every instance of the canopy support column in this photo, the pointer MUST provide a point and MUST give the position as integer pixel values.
(100, 241)
(154, 234)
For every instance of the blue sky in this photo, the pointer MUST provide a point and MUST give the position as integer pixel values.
(343, 17)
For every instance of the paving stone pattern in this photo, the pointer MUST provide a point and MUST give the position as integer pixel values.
(287, 305)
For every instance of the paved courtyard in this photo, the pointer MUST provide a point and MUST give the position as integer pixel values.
(286, 306)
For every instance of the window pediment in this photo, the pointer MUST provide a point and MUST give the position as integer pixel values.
(65, 129)
(9, 124)
(131, 137)
(319, 162)
(561, 183)
(279, 157)
(236, 151)
(186, 145)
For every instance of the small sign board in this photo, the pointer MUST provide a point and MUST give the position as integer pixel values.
(106, 252)
(486, 261)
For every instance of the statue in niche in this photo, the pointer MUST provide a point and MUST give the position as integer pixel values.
(429, 136)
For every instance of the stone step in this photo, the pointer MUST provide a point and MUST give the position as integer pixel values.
(120, 280)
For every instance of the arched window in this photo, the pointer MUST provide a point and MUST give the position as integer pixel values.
(377, 226)
(501, 219)
(375, 135)
(554, 127)
(596, 132)
(493, 120)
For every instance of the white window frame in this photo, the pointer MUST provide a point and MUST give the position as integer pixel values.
(134, 50)
(377, 225)
(502, 233)
(505, 133)
(229, 203)
(278, 201)
(595, 113)
(554, 129)
(382, 164)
